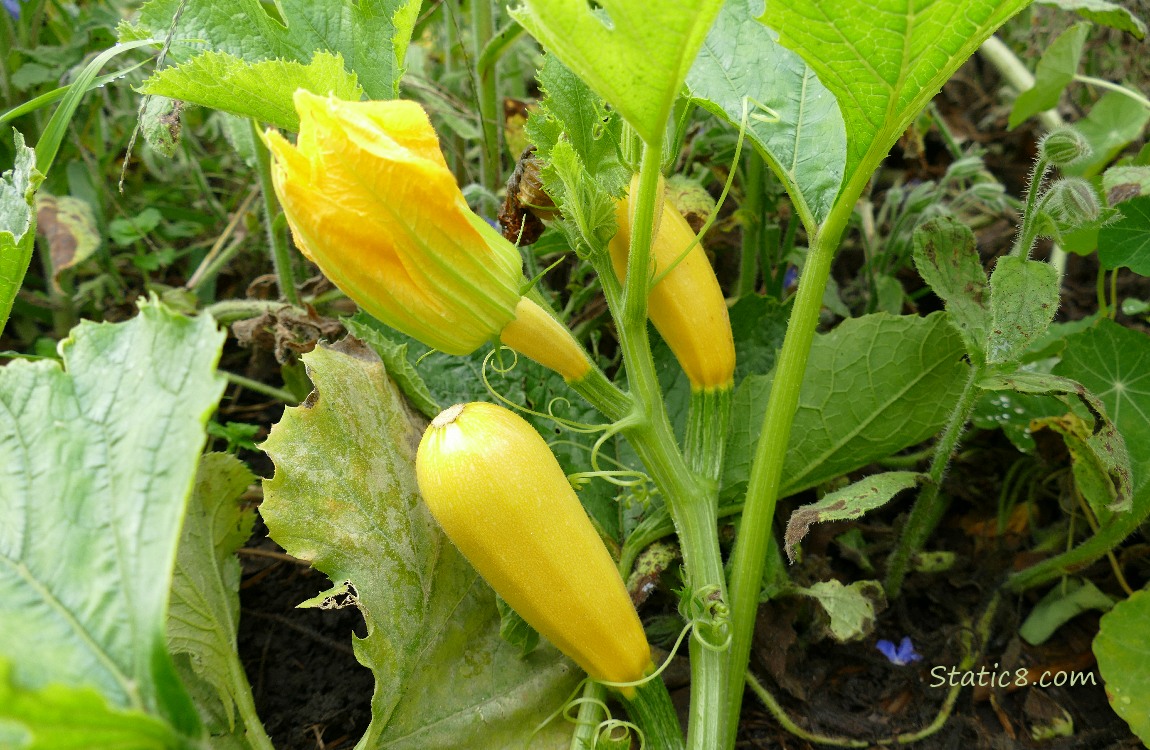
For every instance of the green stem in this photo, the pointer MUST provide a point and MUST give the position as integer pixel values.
(1093, 549)
(277, 240)
(589, 717)
(254, 732)
(1102, 83)
(652, 711)
(1026, 235)
(483, 30)
(708, 418)
(649, 431)
(264, 388)
(929, 507)
(750, 551)
(230, 310)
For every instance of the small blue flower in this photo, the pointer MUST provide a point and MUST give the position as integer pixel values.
(13, 7)
(899, 655)
(791, 277)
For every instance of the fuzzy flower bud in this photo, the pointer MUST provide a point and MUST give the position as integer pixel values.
(1073, 202)
(1063, 147)
(370, 200)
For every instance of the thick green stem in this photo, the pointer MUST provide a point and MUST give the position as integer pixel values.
(277, 239)
(708, 418)
(929, 507)
(750, 551)
(649, 432)
(652, 711)
(589, 716)
(483, 30)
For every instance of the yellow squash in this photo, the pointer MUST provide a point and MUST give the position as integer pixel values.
(687, 305)
(501, 497)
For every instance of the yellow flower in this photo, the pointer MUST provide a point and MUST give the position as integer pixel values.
(370, 200)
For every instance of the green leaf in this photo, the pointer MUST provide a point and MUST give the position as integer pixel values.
(371, 37)
(873, 386)
(1123, 662)
(634, 54)
(514, 629)
(1104, 13)
(344, 496)
(946, 256)
(1063, 603)
(1091, 468)
(161, 124)
(884, 60)
(1114, 122)
(395, 361)
(850, 610)
(1012, 413)
(1120, 184)
(1056, 70)
(847, 503)
(49, 144)
(262, 90)
(1126, 242)
(1104, 442)
(570, 110)
(62, 717)
(101, 456)
(17, 223)
(793, 119)
(1023, 301)
(205, 608)
(1114, 363)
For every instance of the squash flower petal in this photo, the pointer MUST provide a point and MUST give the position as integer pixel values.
(370, 199)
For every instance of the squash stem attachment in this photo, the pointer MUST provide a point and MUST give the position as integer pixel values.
(687, 497)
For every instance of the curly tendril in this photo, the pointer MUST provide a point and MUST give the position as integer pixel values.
(570, 424)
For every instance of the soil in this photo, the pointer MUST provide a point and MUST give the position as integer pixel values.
(312, 694)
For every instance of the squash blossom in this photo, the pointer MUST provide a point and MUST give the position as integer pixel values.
(370, 200)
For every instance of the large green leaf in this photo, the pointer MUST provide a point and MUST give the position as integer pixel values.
(1126, 242)
(1056, 69)
(205, 609)
(262, 90)
(635, 54)
(1113, 362)
(371, 35)
(100, 456)
(884, 59)
(873, 386)
(792, 118)
(59, 717)
(17, 223)
(1124, 661)
(344, 497)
